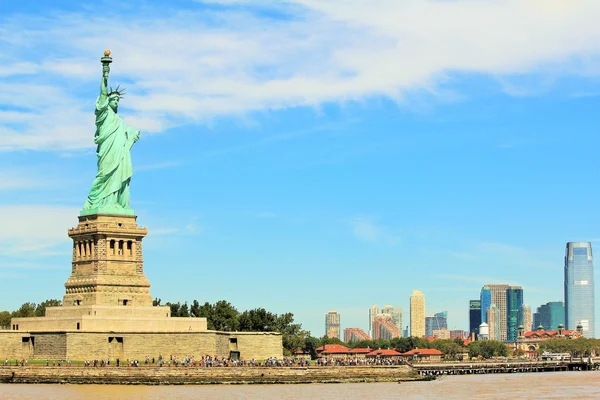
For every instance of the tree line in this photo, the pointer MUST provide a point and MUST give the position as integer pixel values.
(453, 349)
(27, 310)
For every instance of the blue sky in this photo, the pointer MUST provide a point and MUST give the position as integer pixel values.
(304, 155)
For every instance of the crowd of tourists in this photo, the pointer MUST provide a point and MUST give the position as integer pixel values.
(338, 362)
(209, 361)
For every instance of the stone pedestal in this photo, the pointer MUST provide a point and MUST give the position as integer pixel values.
(107, 310)
(108, 267)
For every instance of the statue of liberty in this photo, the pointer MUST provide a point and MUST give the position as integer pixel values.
(110, 190)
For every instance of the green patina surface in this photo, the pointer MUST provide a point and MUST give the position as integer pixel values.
(110, 190)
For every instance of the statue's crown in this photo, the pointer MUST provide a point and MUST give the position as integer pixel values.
(118, 91)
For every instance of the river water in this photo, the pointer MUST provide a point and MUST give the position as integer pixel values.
(551, 385)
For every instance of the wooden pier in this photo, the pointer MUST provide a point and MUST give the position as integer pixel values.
(466, 368)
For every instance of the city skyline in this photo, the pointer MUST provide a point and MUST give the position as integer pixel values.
(298, 138)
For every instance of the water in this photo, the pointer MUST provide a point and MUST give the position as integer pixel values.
(552, 385)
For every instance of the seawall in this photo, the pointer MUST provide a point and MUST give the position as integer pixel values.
(200, 376)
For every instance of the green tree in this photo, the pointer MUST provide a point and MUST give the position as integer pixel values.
(195, 309)
(310, 346)
(487, 349)
(258, 320)
(4, 319)
(184, 310)
(156, 302)
(175, 307)
(224, 316)
(26, 310)
(330, 340)
(293, 337)
(40, 309)
(206, 311)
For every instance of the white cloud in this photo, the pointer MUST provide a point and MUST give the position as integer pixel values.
(189, 67)
(366, 230)
(30, 231)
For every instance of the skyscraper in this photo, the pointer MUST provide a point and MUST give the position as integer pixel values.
(494, 322)
(514, 302)
(579, 287)
(384, 328)
(417, 314)
(373, 311)
(485, 301)
(550, 315)
(496, 294)
(525, 317)
(332, 324)
(474, 317)
(395, 313)
(437, 322)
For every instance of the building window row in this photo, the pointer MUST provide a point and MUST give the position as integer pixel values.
(121, 248)
(85, 248)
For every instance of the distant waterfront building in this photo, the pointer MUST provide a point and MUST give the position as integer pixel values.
(437, 322)
(579, 288)
(525, 317)
(474, 317)
(373, 311)
(441, 333)
(485, 301)
(417, 314)
(395, 313)
(355, 335)
(494, 321)
(384, 328)
(332, 324)
(458, 334)
(497, 294)
(484, 332)
(549, 315)
(514, 302)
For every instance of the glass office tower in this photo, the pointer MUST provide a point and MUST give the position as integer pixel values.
(514, 302)
(579, 287)
(485, 300)
(474, 316)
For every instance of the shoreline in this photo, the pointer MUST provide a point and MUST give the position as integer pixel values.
(151, 375)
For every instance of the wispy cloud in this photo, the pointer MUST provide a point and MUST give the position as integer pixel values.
(190, 66)
(365, 229)
(34, 231)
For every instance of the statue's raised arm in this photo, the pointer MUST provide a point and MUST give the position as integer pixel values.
(110, 190)
(106, 60)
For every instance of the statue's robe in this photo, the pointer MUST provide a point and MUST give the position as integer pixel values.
(114, 140)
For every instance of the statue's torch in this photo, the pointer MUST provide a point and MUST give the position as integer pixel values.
(106, 60)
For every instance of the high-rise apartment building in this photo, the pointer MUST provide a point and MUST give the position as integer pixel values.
(395, 313)
(417, 314)
(438, 322)
(474, 317)
(579, 288)
(384, 328)
(514, 302)
(373, 311)
(525, 317)
(332, 324)
(550, 315)
(494, 322)
(355, 335)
